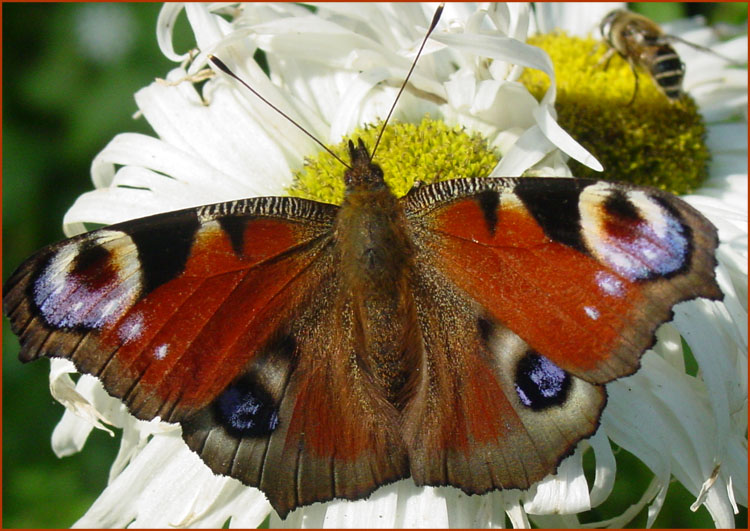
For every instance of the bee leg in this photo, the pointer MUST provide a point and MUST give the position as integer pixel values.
(605, 58)
(635, 84)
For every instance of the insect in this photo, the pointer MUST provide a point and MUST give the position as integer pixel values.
(461, 335)
(643, 44)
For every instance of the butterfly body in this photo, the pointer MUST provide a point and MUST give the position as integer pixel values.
(460, 335)
(375, 251)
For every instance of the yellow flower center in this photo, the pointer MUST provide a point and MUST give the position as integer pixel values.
(650, 141)
(428, 152)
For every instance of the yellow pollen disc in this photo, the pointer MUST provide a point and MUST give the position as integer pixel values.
(428, 152)
(651, 141)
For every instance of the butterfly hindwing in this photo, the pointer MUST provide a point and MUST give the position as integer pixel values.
(335, 436)
(468, 425)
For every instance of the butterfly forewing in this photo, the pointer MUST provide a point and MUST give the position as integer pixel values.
(188, 296)
(583, 271)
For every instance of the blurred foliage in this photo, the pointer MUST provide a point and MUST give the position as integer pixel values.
(714, 13)
(68, 89)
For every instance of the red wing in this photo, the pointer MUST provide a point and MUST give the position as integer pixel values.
(488, 412)
(583, 271)
(530, 294)
(336, 435)
(167, 310)
(230, 320)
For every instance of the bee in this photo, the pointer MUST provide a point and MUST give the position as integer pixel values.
(642, 43)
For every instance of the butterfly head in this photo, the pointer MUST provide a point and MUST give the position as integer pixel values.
(363, 174)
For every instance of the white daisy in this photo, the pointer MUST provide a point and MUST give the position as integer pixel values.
(334, 70)
(696, 425)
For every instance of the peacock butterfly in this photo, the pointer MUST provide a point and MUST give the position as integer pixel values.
(461, 335)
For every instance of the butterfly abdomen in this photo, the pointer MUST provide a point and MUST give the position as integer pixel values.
(376, 259)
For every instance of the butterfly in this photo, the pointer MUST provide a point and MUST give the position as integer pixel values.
(460, 335)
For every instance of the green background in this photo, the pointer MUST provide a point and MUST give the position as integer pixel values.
(62, 104)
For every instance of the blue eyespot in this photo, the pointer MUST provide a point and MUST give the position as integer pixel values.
(247, 411)
(540, 383)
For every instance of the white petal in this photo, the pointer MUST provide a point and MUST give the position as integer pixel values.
(514, 509)
(581, 22)
(145, 495)
(720, 508)
(682, 434)
(565, 492)
(485, 511)
(348, 116)
(130, 149)
(208, 28)
(378, 511)
(606, 468)
(629, 408)
(717, 370)
(164, 28)
(669, 346)
(530, 148)
(559, 137)
(63, 390)
(621, 520)
(728, 137)
(71, 434)
(491, 104)
(306, 517)
(241, 150)
(96, 407)
(500, 48)
(112, 205)
(425, 508)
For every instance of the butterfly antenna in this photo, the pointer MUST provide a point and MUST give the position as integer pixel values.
(224, 68)
(435, 19)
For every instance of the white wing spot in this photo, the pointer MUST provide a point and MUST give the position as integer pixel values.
(161, 351)
(610, 284)
(131, 328)
(591, 312)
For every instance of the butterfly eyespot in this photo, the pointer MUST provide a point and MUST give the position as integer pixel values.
(638, 235)
(89, 283)
(540, 383)
(245, 410)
